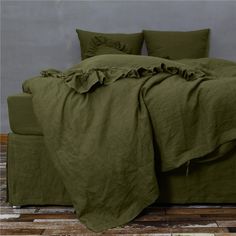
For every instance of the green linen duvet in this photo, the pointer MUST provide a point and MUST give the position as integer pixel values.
(108, 119)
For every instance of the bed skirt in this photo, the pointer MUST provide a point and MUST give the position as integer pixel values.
(33, 180)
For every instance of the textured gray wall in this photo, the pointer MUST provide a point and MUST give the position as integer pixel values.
(40, 34)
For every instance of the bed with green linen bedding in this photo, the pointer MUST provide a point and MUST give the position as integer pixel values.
(122, 131)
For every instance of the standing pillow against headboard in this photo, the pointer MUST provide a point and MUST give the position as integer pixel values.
(176, 45)
(94, 43)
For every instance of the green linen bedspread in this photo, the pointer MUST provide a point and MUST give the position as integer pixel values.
(106, 120)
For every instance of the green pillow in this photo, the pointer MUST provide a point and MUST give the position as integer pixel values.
(177, 45)
(93, 43)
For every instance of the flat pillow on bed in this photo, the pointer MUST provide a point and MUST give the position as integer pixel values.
(93, 43)
(177, 45)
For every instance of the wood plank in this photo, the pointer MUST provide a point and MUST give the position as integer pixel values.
(223, 234)
(21, 231)
(202, 211)
(55, 209)
(127, 234)
(9, 216)
(3, 172)
(137, 231)
(168, 218)
(177, 224)
(228, 223)
(218, 216)
(198, 206)
(3, 150)
(47, 216)
(192, 234)
(53, 226)
(10, 210)
(41, 217)
(3, 159)
(3, 203)
(3, 138)
(69, 232)
(56, 220)
(187, 230)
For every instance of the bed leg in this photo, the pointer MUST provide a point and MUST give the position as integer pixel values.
(16, 207)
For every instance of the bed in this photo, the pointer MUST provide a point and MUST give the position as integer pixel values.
(117, 133)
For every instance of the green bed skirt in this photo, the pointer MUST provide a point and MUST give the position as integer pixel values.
(33, 180)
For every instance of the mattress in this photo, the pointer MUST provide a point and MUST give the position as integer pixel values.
(21, 115)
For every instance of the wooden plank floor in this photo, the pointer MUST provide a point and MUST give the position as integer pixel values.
(155, 220)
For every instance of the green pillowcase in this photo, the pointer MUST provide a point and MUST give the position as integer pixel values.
(177, 45)
(93, 43)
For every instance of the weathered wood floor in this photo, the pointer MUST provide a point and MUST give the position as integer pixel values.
(155, 220)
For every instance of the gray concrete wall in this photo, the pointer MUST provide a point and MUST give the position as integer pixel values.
(40, 34)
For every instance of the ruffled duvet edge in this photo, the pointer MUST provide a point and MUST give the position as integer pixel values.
(82, 81)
